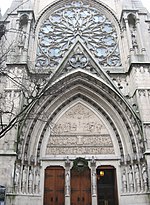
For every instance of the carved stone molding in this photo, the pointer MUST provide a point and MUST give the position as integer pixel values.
(99, 89)
(79, 150)
(142, 92)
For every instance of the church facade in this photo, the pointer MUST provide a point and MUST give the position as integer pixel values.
(75, 103)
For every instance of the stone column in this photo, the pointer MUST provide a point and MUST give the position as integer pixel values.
(140, 35)
(147, 156)
(129, 35)
(124, 181)
(26, 39)
(26, 44)
(17, 29)
(67, 182)
(94, 181)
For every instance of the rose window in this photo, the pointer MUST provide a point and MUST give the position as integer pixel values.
(60, 30)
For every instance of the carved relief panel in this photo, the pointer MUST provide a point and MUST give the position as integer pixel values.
(79, 131)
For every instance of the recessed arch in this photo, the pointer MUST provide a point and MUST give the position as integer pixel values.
(132, 19)
(96, 94)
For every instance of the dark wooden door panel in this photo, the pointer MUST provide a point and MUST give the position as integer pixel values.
(54, 186)
(75, 188)
(81, 187)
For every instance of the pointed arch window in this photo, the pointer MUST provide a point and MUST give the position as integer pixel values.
(60, 30)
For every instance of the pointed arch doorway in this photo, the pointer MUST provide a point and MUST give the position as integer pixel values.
(106, 186)
(81, 187)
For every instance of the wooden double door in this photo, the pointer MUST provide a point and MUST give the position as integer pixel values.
(81, 187)
(54, 186)
(54, 190)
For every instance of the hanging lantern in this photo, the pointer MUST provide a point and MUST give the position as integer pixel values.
(101, 173)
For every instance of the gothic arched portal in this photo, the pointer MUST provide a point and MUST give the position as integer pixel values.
(81, 113)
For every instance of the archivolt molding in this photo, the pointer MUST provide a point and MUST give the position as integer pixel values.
(96, 91)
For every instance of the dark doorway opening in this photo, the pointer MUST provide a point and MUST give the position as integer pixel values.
(107, 186)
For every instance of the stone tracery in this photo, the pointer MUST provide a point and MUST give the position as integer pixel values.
(77, 20)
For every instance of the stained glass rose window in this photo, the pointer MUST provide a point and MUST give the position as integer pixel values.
(59, 32)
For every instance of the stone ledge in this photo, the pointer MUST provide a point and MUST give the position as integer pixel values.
(2, 153)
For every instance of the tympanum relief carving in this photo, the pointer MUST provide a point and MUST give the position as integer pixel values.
(79, 131)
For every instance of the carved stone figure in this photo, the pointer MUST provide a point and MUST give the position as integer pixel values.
(94, 182)
(24, 179)
(124, 181)
(130, 175)
(137, 179)
(22, 37)
(68, 182)
(30, 181)
(16, 177)
(134, 39)
(145, 178)
(37, 181)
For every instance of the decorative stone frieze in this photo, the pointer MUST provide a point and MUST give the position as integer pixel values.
(79, 150)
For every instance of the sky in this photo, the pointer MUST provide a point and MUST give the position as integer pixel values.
(5, 4)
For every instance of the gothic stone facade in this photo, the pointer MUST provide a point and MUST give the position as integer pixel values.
(75, 93)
